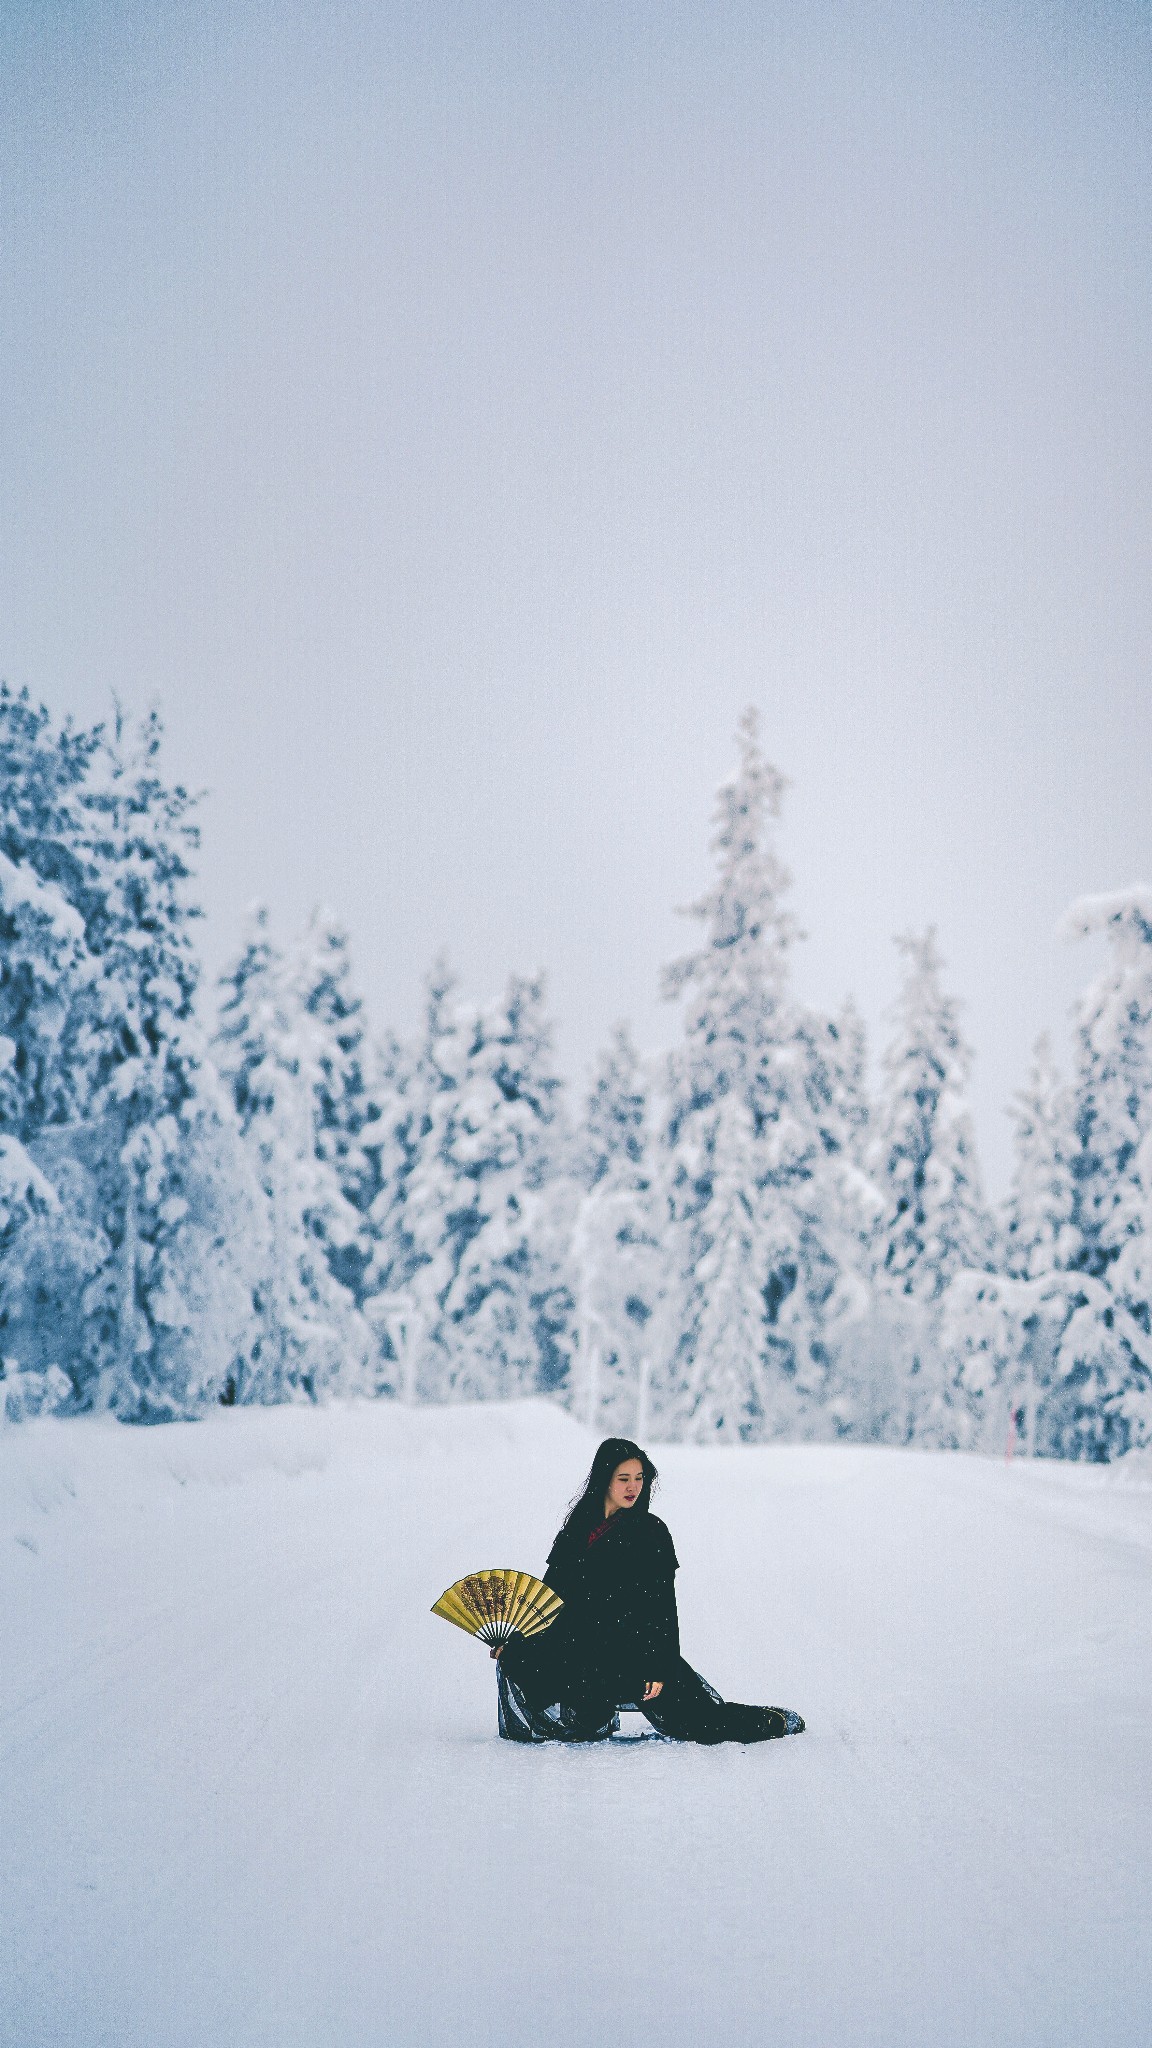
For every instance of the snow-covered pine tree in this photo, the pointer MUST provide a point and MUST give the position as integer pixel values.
(618, 1248)
(170, 1310)
(1127, 1411)
(1000, 1331)
(45, 891)
(27, 1199)
(52, 1244)
(935, 1223)
(864, 1391)
(143, 1055)
(835, 1078)
(487, 1209)
(245, 996)
(835, 1068)
(615, 1118)
(409, 1217)
(309, 1337)
(48, 1250)
(767, 1220)
(1113, 1084)
(1100, 1399)
(506, 1318)
(350, 1133)
(390, 1151)
(1039, 1233)
(115, 1102)
(728, 1391)
(935, 1219)
(98, 982)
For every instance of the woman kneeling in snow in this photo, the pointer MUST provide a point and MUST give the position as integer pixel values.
(615, 1641)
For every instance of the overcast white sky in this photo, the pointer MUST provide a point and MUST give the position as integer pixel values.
(453, 414)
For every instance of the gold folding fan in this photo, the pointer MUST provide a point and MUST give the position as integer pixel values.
(495, 1605)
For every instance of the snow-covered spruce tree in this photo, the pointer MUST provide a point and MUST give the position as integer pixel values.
(245, 994)
(488, 1209)
(409, 1216)
(309, 1337)
(48, 1252)
(1039, 1233)
(390, 1152)
(618, 1248)
(1099, 1402)
(98, 979)
(766, 1275)
(45, 894)
(29, 1380)
(863, 1396)
(1113, 1082)
(1000, 1331)
(50, 1247)
(1041, 1238)
(169, 1308)
(349, 1087)
(935, 1219)
(835, 1050)
(935, 1223)
(729, 1394)
(615, 1132)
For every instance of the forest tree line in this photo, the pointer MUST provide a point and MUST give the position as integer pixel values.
(739, 1240)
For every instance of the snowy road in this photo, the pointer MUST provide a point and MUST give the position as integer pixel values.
(251, 1796)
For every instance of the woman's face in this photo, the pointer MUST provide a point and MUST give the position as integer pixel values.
(625, 1486)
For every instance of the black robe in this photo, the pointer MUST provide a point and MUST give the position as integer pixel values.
(616, 1633)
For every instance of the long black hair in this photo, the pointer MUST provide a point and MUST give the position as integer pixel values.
(588, 1507)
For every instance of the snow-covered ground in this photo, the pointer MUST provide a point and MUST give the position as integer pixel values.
(251, 1794)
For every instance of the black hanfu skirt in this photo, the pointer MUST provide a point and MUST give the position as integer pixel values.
(687, 1710)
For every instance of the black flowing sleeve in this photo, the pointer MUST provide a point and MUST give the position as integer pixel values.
(662, 1629)
(562, 1568)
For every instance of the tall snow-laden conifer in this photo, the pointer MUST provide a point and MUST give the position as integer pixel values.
(862, 1396)
(614, 1137)
(1100, 1401)
(390, 1154)
(834, 1054)
(46, 895)
(49, 1249)
(618, 1248)
(347, 1097)
(144, 1056)
(244, 1009)
(1113, 1085)
(127, 1273)
(488, 1210)
(1001, 1330)
(1039, 1233)
(728, 1393)
(756, 1210)
(311, 1339)
(935, 1219)
(934, 1225)
(50, 1246)
(835, 1060)
(412, 1232)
